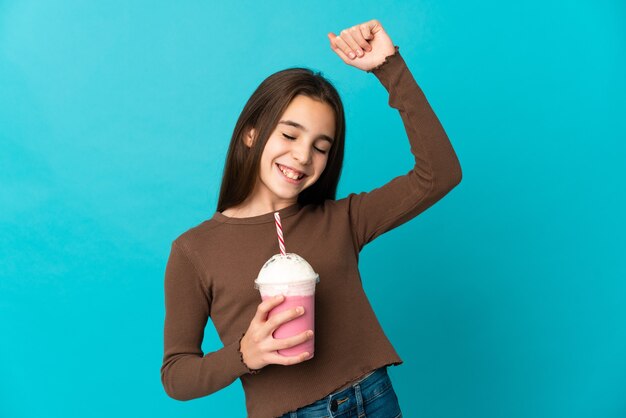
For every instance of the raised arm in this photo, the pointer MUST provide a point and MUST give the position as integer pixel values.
(186, 372)
(436, 170)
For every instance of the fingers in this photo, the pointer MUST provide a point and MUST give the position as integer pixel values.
(279, 318)
(276, 358)
(372, 27)
(352, 42)
(283, 343)
(265, 307)
(334, 43)
(366, 34)
(354, 39)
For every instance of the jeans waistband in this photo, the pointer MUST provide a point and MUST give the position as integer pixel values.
(364, 382)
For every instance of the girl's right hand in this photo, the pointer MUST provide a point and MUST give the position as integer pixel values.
(258, 347)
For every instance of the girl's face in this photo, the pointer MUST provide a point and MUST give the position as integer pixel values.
(296, 153)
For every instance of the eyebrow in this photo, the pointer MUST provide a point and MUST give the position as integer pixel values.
(297, 125)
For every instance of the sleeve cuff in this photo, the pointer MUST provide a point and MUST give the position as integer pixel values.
(243, 367)
(389, 58)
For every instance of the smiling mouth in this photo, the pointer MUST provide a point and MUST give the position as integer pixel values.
(290, 173)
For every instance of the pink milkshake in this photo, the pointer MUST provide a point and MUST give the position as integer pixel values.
(291, 276)
(297, 325)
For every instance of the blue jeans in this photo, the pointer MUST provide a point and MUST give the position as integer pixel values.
(371, 397)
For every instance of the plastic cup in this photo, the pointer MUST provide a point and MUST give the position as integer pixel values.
(291, 276)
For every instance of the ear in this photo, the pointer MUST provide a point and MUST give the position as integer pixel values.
(249, 137)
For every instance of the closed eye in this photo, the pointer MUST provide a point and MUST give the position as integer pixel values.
(291, 138)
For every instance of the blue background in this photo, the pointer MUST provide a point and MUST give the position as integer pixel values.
(505, 299)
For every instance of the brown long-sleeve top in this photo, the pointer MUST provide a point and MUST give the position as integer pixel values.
(212, 266)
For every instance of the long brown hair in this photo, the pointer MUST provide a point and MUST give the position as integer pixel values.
(262, 112)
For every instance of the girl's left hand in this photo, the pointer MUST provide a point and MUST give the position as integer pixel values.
(368, 43)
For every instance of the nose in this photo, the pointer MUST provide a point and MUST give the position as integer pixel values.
(301, 153)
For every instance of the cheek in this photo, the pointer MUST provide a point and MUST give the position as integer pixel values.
(322, 164)
(273, 149)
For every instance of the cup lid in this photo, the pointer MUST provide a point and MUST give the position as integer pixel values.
(288, 268)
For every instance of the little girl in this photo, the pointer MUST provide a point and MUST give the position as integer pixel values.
(285, 156)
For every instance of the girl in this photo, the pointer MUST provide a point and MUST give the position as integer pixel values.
(285, 156)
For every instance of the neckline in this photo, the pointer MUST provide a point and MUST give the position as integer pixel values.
(258, 219)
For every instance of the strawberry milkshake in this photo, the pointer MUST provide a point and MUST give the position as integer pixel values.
(294, 278)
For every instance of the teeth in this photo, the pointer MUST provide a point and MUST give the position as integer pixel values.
(290, 174)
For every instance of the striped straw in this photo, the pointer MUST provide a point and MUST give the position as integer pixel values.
(279, 231)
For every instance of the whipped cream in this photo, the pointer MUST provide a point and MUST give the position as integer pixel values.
(288, 268)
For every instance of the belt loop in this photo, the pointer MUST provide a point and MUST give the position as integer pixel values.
(359, 401)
